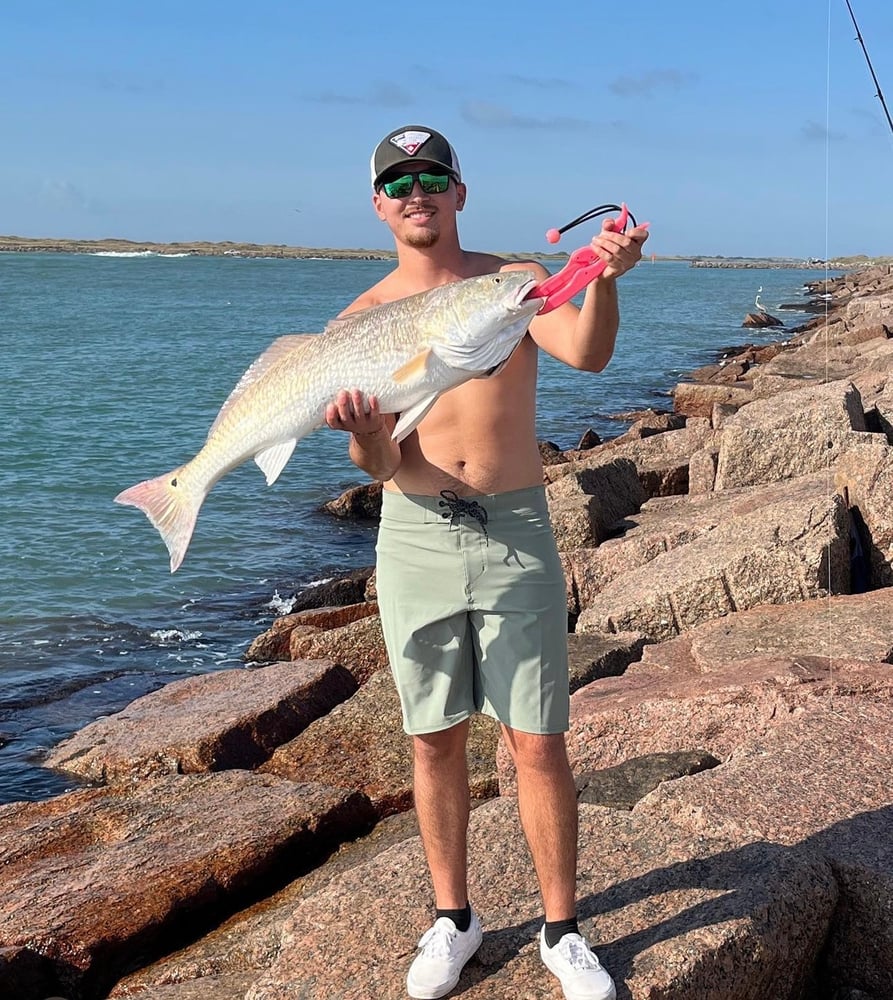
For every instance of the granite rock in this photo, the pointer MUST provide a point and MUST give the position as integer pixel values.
(791, 551)
(654, 711)
(697, 399)
(790, 434)
(665, 523)
(359, 503)
(866, 477)
(361, 745)
(248, 942)
(621, 786)
(661, 460)
(212, 722)
(823, 785)
(584, 503)
(275, 643)
(845, 627)
(358, 647)
(671, 916)
(92, 878)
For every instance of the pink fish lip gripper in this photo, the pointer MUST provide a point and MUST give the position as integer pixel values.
(583, 265)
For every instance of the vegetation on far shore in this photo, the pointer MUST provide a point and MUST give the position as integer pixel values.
(226, 248)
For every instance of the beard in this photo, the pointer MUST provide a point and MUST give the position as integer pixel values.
(422, 239)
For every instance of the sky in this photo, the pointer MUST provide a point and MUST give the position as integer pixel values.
(740, 129)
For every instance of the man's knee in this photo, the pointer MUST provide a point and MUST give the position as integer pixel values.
(536, 751)
(446, 744)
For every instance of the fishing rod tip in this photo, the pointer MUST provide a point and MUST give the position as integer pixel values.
(553, 235)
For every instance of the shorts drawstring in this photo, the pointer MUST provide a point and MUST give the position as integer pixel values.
(460, 507)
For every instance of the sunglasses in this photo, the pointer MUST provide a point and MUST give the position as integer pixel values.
(401, 187)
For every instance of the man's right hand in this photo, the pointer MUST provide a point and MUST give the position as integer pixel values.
(353, 412)
(372, 448)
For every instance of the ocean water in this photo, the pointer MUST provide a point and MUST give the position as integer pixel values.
(113, 368)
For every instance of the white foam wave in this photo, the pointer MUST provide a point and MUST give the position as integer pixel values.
(124, 253)
(135, 253)
(281, 605)
(169, 635)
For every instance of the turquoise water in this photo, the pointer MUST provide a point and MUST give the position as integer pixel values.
(113, 368)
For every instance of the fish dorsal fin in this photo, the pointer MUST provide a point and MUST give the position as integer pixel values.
(414, 370)
(271, 461)
(412, 416)
(275, 352)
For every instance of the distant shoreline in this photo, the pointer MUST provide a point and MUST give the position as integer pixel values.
(26, 244)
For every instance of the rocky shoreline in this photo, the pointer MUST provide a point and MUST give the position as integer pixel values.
(247, 834)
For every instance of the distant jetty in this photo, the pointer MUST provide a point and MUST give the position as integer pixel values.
(769, 262)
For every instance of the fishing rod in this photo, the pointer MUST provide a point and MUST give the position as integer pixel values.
(860, 40)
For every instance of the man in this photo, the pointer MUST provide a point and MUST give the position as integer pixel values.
(470, 587)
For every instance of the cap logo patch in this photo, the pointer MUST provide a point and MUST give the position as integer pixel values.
(410, 142)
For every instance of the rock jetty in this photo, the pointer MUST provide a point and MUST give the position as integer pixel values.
(248, 834)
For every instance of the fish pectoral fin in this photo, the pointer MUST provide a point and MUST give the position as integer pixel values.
(414, 369)
(412, 416)
(271, 461)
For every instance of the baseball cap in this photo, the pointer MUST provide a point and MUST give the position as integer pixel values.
(413, 142)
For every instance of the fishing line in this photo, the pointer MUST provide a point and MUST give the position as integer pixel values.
(825, 296)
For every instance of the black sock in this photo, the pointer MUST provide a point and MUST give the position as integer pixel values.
(556, 929)
(461, 918)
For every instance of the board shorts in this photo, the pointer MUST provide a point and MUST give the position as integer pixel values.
(473, 607)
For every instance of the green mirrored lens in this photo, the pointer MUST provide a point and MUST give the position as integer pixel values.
(399, 188)
(434, 183)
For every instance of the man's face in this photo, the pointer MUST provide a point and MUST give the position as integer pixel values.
(418, 219)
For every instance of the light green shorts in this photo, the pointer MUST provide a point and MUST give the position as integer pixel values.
(474, 610)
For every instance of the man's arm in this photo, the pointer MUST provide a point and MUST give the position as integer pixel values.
(584, 338)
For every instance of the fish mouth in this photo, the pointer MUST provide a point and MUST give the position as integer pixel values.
(525, 290)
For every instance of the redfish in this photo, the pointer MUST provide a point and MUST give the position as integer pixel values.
(407, 353)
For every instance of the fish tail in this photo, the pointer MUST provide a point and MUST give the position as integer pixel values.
(171, 506)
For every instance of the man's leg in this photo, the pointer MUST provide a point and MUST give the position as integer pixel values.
(547, 802)
(442, 803)
(442, 806)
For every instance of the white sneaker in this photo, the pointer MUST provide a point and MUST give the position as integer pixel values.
(445, 950)
(578, 969)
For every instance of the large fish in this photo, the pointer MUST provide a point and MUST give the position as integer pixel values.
(407, 353)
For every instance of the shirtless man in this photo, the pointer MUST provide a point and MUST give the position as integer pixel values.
(470, 587)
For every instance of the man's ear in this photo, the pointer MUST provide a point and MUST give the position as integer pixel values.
(461, 194)
(376, 204)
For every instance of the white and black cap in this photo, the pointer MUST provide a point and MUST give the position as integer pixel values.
(409, 143)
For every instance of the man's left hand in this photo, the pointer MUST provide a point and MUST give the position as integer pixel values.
(620, 251)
